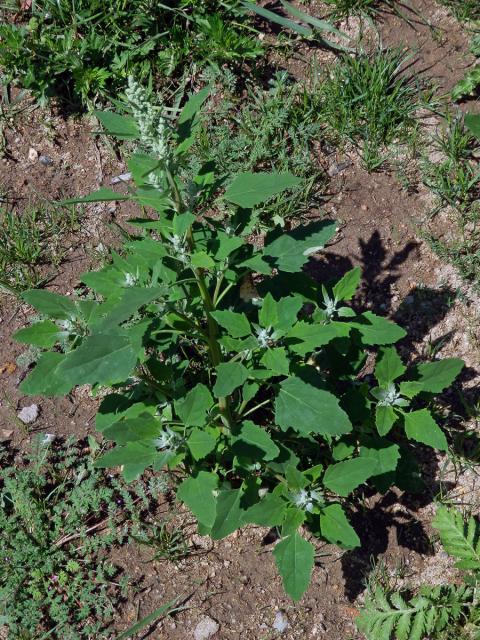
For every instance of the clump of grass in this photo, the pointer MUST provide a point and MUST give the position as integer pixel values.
(455, 179)
(372, 102)
(273, 130)
(364, 8)
(463, 10)
(59, 518)
(31, 243)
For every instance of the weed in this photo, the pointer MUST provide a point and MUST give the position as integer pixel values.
(275, 130)
(30, 241)
(78, 51)
(464, 10)
(59, 518)
(364, 8)
(372, 102)
(257, 398)
(455, 179)
(449, 612)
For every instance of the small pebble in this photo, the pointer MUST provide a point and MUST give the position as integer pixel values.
(32, 154)
(28, 414)
(45, 160)
(281, 623)
(206, 628)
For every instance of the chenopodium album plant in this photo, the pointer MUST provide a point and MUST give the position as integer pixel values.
(227, 362)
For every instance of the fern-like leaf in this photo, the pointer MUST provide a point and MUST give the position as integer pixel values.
(460, 538)
(387, 616)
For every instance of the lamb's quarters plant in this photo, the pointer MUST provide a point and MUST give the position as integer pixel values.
(83, 50)
(60, 517)
(229, 364)
(450, 611)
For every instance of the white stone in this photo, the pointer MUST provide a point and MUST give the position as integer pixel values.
(28, 414)
(281, 623)
(32, 154)
(206, 628)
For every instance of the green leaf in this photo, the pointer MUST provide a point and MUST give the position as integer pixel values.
(236, 324)
(249, 189)
(229, 515)
(294, 557)
(135, 457)
(230, 375)
(119, 126)
(143, 427)
(198, 494)
(384, 456)
(336, 528)
(276, 360)
(460, 537)
(201, 442)
(252, 440)
(101, 195)
(290, 251)
(305, 337)
(436, 376)
(279, 315)
(385, 418)
(131, 300)
(472, 122)
(269, 512)
(41, 334)
(389, 366)
(202, 260)
(104, 358)
(274, 17)
(309, 410)
(51, 304)
(193, 105)
(193, 408)
(44, 379)
(347, 286)
(343, 477)
(377, 330)
(420, 426)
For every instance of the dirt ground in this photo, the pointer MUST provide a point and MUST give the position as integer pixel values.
(234, 581)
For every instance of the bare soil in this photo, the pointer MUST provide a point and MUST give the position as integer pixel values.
(234, 581)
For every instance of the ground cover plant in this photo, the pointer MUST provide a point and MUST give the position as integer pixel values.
(59, 518)
(370, 100)
(449, 611)
(276, 129)
(229, 364)
(30, 240)
(455, 179)
(80, 52)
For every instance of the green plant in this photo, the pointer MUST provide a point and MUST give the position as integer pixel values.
(59, 518)
(80, 51)
(370, 101)
(274, 130)
(346, 8)
(470, 83)
(465, 10)
(228, 363)
(30, 240)
(448, 611)
(301, 23)
(455, 179)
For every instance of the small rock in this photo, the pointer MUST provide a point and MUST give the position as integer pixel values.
(5, 434)
(46, 161)
(337, 168)
(206, 628)
(123, 177)
(28, 414)
(32, 154)
(281, 623)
